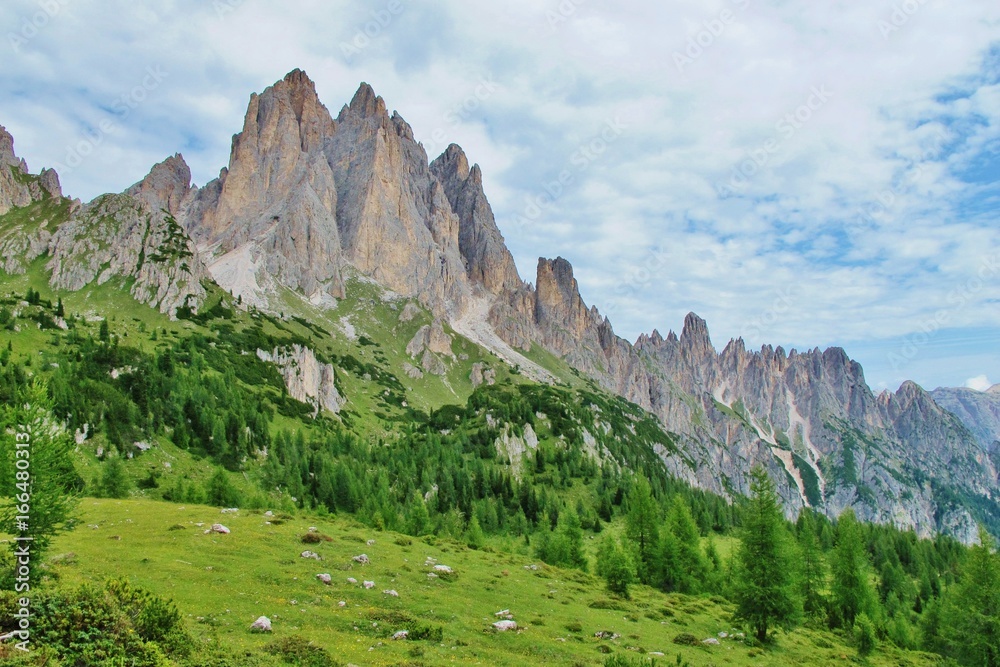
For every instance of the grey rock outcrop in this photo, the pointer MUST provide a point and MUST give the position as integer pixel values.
(18, 187)
(307, 378)
(430, 344)
(481, 375)
(134, 235)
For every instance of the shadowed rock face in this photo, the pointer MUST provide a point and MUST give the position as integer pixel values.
(307, 197)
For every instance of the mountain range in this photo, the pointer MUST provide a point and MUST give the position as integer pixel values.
(309, 201)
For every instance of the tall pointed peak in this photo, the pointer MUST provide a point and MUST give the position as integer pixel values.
(694, 335)
(452, 163)
(694, 327)
(366, 103)
(166, 185)
(7, 156)
(299, 79)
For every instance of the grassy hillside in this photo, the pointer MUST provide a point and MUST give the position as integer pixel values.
(185, 410)
(222, 583)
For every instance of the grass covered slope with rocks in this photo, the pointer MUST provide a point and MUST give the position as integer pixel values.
(222, 583)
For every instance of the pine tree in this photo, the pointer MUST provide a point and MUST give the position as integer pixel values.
(852, 590)
(764, 587)
(812, 570)
(970, 619)
(683, 565)
(418, 519)
(221, 492)
(114, 482)
(50, 478)
(641, 527)
(615, 565)
(474, 534)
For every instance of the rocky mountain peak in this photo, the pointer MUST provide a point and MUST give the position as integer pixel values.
(366, 103)
(452, 164)
(49, 180)
(166, 186)
(994, 390)
(16, 190)
(695, 338)
(488, 261)
(7, 156)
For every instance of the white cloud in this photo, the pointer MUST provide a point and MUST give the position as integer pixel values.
(854, 217)
(979, 383)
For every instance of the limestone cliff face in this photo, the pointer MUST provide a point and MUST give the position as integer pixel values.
(270, 216)
(308, 380)
(28, 237)
(304, 195)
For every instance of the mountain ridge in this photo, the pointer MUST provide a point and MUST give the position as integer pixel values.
(307, 198)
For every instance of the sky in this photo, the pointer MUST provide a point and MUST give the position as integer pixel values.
(804, 175)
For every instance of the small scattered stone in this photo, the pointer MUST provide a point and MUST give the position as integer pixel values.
(325, 578)
(262, 624)
(310, 554)
(391, 593)
(219, 528)
(711, 641)
(369, 584)
(504, 626)
(402, 634)
(443, 568)
(362, 558)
